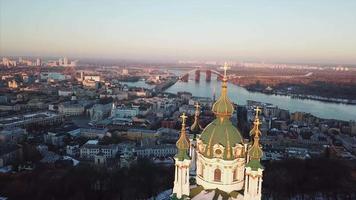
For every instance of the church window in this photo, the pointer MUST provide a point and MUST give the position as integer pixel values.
(217, 175)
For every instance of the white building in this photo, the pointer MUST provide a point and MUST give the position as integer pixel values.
(71, 108)
(125, 72)
(55, 139)
(92, 78)
(72, 150)
(99, 111)
(42, 118)
(124, 111)
(156, 151)
(92, 148)
(38, 62)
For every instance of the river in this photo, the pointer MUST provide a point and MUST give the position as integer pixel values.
(240, 95)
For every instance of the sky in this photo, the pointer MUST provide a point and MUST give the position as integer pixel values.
(302, 31)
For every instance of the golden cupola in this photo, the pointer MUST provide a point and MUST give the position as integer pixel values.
(223, 106)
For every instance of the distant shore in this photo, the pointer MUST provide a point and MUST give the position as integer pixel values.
(303, 96)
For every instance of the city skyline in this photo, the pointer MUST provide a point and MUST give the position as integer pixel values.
(294, 32)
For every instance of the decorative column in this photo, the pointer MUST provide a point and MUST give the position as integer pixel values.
(182, 164)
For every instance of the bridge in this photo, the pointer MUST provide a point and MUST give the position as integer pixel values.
(208, 73)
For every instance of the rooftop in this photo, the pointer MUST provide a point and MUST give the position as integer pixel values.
(92, 142)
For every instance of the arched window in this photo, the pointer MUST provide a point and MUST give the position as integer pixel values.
(234, 175)
(217, 175)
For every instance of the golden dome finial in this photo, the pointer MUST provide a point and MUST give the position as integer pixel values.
(196, 128)
(257, 122)
(184, 118)
(255, 152)
(223, 106)
(225, 68)
(183, 142)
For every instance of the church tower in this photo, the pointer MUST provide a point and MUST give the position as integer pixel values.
(195, 129)
(220, 148)
(254, 169)
(182, 163)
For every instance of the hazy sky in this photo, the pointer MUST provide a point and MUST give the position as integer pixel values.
(269, 30)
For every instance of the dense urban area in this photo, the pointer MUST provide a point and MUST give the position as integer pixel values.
(81, 130)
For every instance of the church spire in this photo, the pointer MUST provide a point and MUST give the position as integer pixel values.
(182, 163)
(196, 127)
(183, 142)
(224, 80)
(255, 152)
(254, 169)
(223, 106)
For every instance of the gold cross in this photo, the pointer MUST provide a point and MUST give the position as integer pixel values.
(184, 117)
(225, 68)
(258, 111)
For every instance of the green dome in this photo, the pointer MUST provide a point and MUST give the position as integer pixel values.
(255, 165)
(221, 131)
(183, 145)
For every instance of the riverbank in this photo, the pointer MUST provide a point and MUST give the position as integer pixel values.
(165, 85)
(303, 96)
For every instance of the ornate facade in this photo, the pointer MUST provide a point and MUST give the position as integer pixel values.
(218, 157)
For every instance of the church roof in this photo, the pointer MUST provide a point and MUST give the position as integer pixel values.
(221, 132)
(255, 165)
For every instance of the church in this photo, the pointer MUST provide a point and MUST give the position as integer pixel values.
(217, 163)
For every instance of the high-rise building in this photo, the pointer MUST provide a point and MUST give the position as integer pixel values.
(65, 61)
(38, 62)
